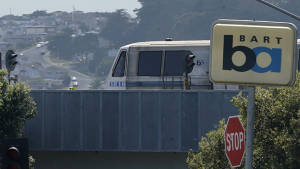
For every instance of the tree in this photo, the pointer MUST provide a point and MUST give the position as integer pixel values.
(188, 25)
(276, 129)
(38, 13)
(16, 106)
(67, 47)
(24, 45)
(97, 83)
(66, 78)
(212, 153)
(62, 43)
(92, 66)
(118, 28)
(98, 57)
(85, 44)
(84, 27)
(104, 67)
(158, 19)
(67, 31)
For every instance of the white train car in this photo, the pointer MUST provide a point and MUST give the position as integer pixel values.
(157, 65)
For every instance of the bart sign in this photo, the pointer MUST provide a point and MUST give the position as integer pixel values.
(253, 53)
(234, 141)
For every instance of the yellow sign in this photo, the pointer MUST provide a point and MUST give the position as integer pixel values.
(72, 88)
(253, 53)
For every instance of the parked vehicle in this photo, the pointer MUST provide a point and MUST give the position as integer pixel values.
(74, 78)
(38, 45)
(75, 84)
(42, 43)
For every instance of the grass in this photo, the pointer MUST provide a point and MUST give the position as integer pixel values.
(38, 63)
(84, 71)
(55, 60)
(77, 65)
(72, 64)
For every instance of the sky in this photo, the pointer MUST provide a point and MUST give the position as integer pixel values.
(19, 7)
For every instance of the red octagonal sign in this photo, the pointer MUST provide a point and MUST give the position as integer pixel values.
(234, 141)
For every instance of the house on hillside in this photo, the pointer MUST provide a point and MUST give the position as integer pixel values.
(53, 72)
(14, 40)
(53, 83)
(2, 46)
(50, 30)
(10, 32)
(26, 16)
(36, 85)
(65, 17)
(35, 29)
(31, 70)
(60, 28)
(73, 26)
(23, 59)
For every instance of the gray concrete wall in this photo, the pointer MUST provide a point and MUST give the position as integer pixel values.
(128, 121)
(108, 160)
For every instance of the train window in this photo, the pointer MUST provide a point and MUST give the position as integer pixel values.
(149, 63)
(173, 63)
(120, 67)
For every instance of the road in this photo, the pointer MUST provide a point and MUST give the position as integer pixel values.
(35, 56)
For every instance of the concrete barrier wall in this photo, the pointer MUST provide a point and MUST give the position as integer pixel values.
(137, 121)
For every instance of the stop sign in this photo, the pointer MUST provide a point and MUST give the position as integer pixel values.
(234, 141)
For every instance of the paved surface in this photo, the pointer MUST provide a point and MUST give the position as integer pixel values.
(35, 56)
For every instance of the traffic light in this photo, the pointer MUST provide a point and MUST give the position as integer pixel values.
(10, 60)
(15, 153)
(188, 63)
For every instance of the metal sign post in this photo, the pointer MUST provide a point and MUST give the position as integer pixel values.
(250, 126)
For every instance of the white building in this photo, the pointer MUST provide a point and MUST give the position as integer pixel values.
(28, 71)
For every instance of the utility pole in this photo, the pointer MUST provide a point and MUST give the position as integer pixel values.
(280, 9)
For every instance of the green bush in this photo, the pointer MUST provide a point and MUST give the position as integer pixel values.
(276, 131)
(97, 83)
(212, 153)
(92, 66)
(16, 106)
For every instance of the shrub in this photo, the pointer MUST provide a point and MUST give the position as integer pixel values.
(276, 131)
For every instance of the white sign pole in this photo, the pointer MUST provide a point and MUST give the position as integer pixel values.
(250, 127)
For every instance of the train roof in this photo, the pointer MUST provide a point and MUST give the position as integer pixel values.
(175, 43)
(171, 43)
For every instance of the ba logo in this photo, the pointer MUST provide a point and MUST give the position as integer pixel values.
(251, 55)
